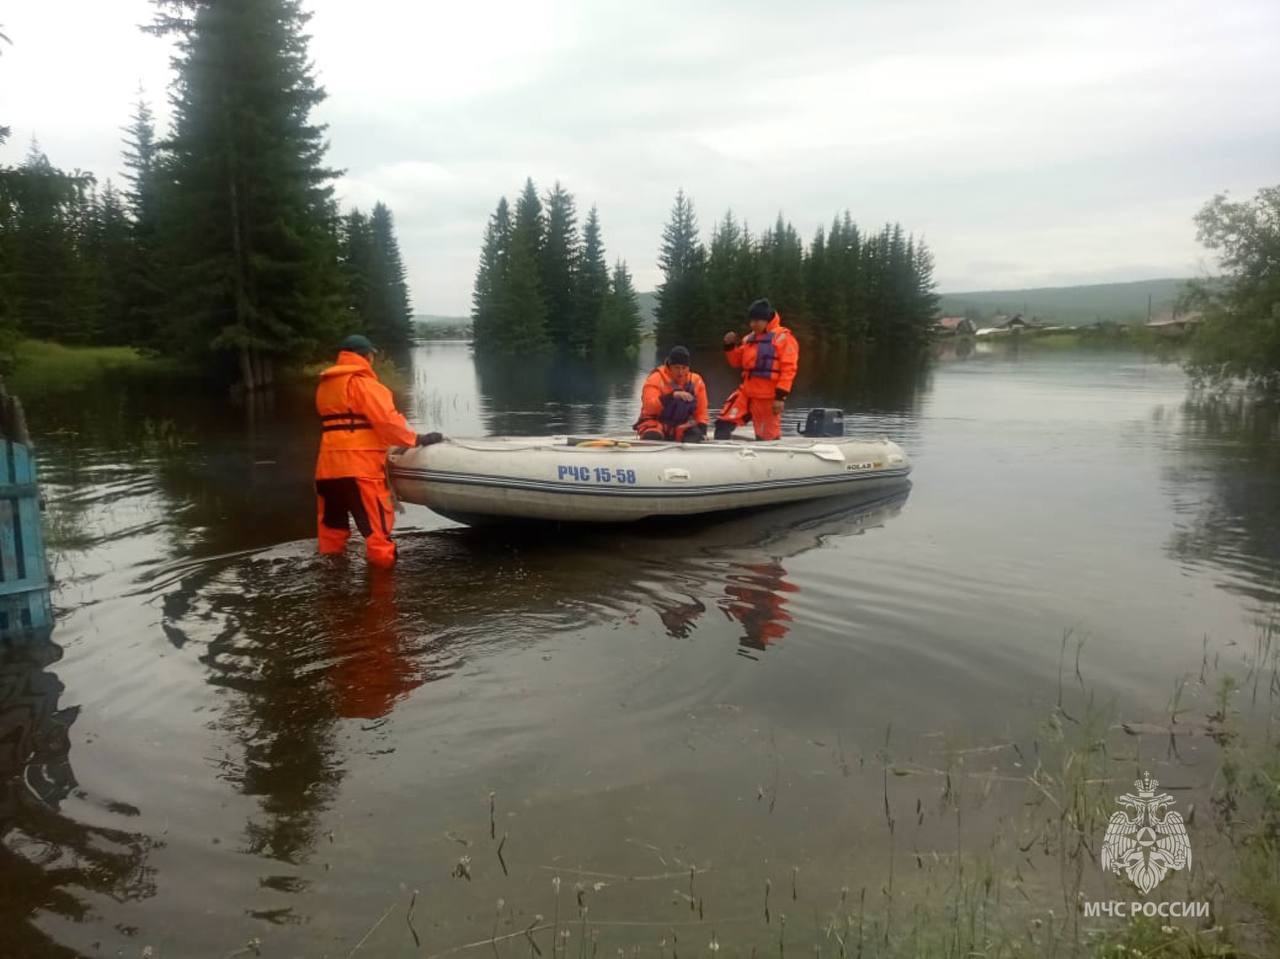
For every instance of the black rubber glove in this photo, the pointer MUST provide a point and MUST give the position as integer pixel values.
(426, 439)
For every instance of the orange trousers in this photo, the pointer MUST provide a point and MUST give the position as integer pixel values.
(692, 432)
(368, 502)
(758, 411)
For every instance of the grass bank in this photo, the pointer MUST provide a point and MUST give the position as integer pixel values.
(42, 366)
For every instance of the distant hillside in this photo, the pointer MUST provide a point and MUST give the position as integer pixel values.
(648, 303)
(1116, 302)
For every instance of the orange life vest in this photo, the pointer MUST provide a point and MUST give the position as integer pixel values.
(343, 428)
(359, 421)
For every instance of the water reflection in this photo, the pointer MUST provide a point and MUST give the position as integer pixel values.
(271, 641)
(952, 348)
(755, 596)
(555, 394)
(1227, 493)
(305, 643)
(736, 564)
(50, 863)
(865, 382)
(372, 667)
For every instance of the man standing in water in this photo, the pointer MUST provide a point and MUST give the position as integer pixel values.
(768, 357)
(359, 422)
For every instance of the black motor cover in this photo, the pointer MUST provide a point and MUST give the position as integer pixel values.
(824, 422)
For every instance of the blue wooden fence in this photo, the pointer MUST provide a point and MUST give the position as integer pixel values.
(24, 573)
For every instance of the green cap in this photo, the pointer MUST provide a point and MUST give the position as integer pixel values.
(356, 343)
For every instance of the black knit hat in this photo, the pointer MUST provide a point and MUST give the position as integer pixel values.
(679, 356)
(760, 310)
(355, 343)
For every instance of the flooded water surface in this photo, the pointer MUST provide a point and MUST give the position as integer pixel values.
(614, 738)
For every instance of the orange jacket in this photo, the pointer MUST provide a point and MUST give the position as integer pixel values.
(657, 404)
(768, 361)
(359, 421)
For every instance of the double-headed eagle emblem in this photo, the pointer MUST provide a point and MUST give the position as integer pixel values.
(1148, 840)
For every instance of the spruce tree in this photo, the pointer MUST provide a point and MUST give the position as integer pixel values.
(144, 287)
(782, 269)
(733, 277)
(47, 284)
(924, 306)
(849, 280)
(818, 288)
(356, 259)
(522, 317)
(249, 215)
(530, 224)
(142, 165)
(490, 282)
(618, 328)
(391, 319)
(107, 259)
(559, 262)
(592, 287)
(682, 314)
(521, 326)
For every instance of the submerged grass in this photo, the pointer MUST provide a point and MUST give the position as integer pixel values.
(974, 896)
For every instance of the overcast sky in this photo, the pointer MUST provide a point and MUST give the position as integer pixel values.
(1029, 147)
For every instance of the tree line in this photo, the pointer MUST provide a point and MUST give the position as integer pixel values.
(1238, 340)
(847, 288)
(542, 286)
(226, 246)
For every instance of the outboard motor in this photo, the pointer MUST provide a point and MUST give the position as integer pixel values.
(823, 422)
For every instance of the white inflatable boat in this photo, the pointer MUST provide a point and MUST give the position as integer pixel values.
(617, 479)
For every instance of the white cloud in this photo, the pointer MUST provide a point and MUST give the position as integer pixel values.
(1027, 142)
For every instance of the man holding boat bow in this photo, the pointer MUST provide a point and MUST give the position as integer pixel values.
(359, 423)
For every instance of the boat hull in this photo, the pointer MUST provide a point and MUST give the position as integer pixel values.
(611, 480)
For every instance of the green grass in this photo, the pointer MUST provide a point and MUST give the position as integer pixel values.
(41, 366)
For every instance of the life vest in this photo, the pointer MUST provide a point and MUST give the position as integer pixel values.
(343, 428)
(676, 412)
(766, 346)
(673, 412)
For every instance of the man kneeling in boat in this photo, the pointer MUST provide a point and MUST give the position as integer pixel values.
(674, 402)
(359, 422)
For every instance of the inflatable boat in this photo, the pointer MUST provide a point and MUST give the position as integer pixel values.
(615, 479)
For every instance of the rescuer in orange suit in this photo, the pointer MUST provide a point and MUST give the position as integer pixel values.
(673, 404)
(768, 357)
(359, 422)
